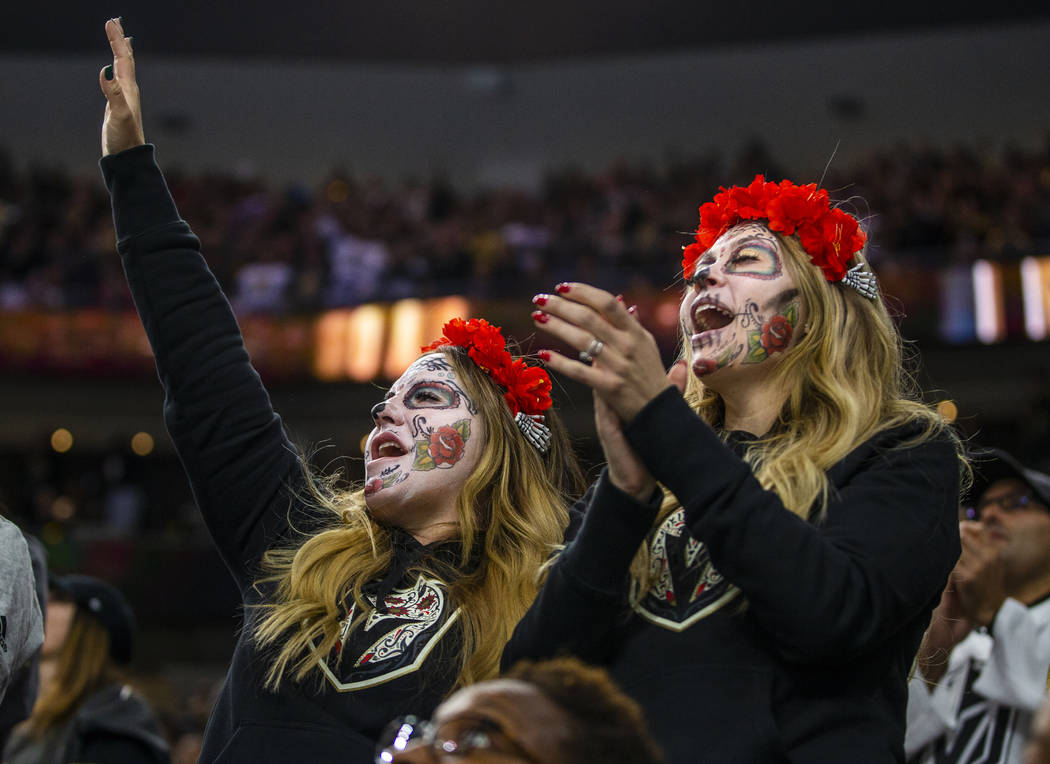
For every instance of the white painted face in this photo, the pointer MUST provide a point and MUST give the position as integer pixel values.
(741, 307)
(425, 444)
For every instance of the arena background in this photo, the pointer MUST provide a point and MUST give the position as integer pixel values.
(615, 119)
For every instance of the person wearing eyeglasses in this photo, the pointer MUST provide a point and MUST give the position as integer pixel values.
(548, 712)
(982, 668)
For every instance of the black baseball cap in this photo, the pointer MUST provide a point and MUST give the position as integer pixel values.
(992, 464)
(107, 605)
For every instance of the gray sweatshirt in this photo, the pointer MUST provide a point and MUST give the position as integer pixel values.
(21, 625)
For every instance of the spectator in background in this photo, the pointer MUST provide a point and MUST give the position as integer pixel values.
(982, 668)
(85, 713)
(21, 623)
(552, 712)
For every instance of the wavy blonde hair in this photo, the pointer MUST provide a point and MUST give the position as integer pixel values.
(845, 381)
(511, 516)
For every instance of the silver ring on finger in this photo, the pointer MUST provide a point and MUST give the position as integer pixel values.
(592, 352)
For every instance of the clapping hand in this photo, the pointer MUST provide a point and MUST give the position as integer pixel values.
(619, 361)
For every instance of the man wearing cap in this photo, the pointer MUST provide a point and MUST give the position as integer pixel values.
(981, 672)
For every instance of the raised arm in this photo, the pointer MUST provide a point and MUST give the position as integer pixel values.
(231, 442)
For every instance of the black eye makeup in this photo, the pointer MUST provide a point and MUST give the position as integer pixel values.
(431, 394)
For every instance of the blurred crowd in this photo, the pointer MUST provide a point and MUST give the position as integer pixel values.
(354, 240)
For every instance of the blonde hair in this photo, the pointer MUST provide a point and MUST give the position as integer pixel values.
(83, 665)
(511, 516)
(845, 381)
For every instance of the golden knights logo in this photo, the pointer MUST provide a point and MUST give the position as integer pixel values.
(391, 644)
(685, 585)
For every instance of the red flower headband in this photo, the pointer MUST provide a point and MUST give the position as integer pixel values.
(528, 388)
(830, 236)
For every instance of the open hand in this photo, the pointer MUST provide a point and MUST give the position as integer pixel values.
(626, 371)
(122, 125)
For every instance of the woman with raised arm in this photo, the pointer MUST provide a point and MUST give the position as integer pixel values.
(362, 605)
(759, 561)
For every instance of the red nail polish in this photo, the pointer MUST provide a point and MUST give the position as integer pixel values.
(540, 299)
(540, 317)
(619, 297)
(563, 288)
(545, 355)
(633, 309)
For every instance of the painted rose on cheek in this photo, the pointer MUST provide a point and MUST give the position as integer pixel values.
(442, 447)
(446, 446)
(767, 338)
(373, 485)
(776, 334)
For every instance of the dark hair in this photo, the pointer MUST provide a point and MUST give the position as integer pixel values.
(606, 726)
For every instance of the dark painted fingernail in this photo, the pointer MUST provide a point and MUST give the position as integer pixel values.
(540, 317)
(633, 309)
(545, 355)
(563, 288)
(619, 297)
(540, 299)
(108, 72)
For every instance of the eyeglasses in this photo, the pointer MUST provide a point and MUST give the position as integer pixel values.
(1011, 502)
(411, 732)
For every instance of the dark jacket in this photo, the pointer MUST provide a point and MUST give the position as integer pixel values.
(765, 638)
(247, 480)
(112, 725)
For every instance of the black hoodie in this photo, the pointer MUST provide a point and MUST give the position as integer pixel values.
(764, 638)
(246, 477)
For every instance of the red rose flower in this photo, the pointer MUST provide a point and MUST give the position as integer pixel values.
(373, 485)
(526, 388)
(690, 255)
(831, 237)
(446, 446)
(776, 334)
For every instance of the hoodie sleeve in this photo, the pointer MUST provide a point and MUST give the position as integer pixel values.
(231, 443)
(584, 599)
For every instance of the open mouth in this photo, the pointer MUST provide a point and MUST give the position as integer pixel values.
(710, 316)
(386, 445)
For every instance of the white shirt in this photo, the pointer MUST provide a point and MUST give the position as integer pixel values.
(1007, 670)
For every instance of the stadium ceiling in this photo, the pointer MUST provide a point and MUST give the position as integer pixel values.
(473, 31)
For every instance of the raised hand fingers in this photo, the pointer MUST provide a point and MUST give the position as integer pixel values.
(123, 57)
(627, 369)
(122, 125)
(606, 305)
(575, 328)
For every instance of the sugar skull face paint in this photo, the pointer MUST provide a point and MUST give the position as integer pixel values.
(424, 446)
(742, 306)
